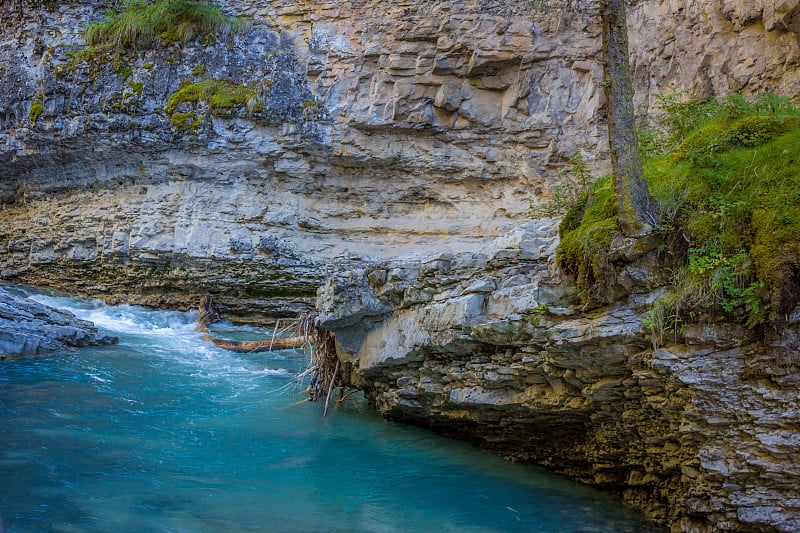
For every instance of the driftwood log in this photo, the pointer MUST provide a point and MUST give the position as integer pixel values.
(208, 315)
(281, 343)
(325, 368)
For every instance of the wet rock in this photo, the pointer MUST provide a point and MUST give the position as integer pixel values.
(30, 328)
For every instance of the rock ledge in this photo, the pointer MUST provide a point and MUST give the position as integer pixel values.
(30, 328)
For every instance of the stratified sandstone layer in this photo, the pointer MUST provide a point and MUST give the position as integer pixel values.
(381, 128)
(494, 348)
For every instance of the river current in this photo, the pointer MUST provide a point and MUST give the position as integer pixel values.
(164, 432)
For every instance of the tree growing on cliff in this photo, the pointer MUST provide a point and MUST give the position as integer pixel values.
(636, 211)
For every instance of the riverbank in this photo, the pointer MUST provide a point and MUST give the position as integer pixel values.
(30, 328)
(699, 432)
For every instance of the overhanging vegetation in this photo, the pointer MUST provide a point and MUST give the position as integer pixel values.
(726, 177)
(145, 23)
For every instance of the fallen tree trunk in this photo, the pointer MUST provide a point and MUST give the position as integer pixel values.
(284, 343)
(325, 368)
(208, 315)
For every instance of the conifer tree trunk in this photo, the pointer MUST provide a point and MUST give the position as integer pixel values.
(635, 207)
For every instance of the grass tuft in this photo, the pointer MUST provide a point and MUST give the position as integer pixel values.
(145, 23)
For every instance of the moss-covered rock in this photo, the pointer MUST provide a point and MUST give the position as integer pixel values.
(721, 135)
(731, 192)
(37, 108)
(219, 94)
(587, 231)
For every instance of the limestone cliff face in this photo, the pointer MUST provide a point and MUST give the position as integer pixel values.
(493, 348)
(382, 127)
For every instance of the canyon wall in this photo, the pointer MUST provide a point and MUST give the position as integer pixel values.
(426, 130)
(701, 431)
(379, 128)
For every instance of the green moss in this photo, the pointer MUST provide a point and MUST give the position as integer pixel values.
(749, 223)
(722, 135)
(731, 187)
(94, 56)
(122, 69)
(136, 87)
(186, 121)
(586, 234)
(37, 108)
(219, 94)
(198, 70)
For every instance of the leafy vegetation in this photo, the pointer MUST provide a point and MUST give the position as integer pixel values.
(726, 177)
(145, 23)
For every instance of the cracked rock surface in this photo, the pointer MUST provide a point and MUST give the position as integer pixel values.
(30, 328)
(379, 129)
(494, 348)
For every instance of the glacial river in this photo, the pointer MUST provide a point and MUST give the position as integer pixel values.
(164, 432)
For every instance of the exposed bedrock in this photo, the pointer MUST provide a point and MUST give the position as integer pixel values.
(30, 328)
(376, 128)
(494, 348)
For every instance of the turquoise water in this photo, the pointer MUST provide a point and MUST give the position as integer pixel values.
(166, 433)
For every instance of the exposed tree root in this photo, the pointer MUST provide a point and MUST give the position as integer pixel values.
(324, 367)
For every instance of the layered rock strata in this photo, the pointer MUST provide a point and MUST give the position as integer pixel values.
(376, 128)
(495, 348)
(30, 328)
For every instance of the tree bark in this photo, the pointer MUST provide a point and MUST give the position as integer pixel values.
(636, 209)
